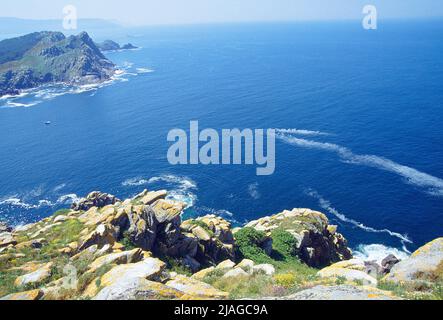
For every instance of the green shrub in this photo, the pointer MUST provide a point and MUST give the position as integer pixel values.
(248, 242)
(127, 242)
(283, 244)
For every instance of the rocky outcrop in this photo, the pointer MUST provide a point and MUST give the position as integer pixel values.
(138, 289)
(317, 243)
(214, 237)
(424, 266)
(22, 296)
(128, 46)
(109, 45)
(94, 199)
(35, 277)
(7, 239)
(388, 263)
(341, 292)
(4, 227)
(354, 270)
(195, 288)
(49, 57)
(108, 249)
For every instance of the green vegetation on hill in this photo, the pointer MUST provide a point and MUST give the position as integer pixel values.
(290, 275)
(50, 57)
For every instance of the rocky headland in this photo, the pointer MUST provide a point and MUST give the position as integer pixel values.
(42, 58)
(105, 248)
(109, 45)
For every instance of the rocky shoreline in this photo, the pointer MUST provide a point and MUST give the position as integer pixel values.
(43, 58)
(105, 248)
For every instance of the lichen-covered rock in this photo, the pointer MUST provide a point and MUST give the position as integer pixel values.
(148, 198)
(424, 265)
(94, 199)
(4, 227)
(247, 265)
(341, 292)
(101, 236)
(131, 256)
(235, 273)
(142, 227)
(267, 269)
(202, 273)
(317, 243)
(225, 265)
(138, 289)
(350, 274)
(166, 210)
(150, 269)
(196, 288)
(7, 239)
(35, 277)
(26, 295)
(215, 238)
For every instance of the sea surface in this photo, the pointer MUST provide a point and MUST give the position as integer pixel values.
(361, 112)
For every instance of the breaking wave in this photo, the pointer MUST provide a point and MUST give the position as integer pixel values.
(31, 97)
(179, 188)
(326, 205)
(433, 185)
(377, 252)
(15, 201)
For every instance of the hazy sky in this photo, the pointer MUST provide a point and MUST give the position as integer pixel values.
(143, 12)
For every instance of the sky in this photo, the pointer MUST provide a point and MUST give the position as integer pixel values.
(152, 12)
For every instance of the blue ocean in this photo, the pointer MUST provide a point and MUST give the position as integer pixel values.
(360, 114)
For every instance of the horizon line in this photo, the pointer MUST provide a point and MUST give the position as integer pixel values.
(126, 25)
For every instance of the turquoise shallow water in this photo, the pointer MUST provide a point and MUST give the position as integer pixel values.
(370, 105)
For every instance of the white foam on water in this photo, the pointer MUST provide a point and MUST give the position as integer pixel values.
(189, 198)
(377, 252)
(218, 212)
(68, 199)
(302, 132)
(15, 201)
(135, 182)
(326, 205)
(144, 70)
(253, 191)
(225, 214)
(179, 188)
(184, 183)
(52, 91)
(182, 188)
(12, 104)
(432, 185)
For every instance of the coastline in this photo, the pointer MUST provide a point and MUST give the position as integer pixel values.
(116, 241)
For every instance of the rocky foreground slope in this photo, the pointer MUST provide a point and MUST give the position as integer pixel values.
(104, 248)
(49, 57)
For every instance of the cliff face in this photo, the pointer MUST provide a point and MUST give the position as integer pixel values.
(106, 248)
(50, 57)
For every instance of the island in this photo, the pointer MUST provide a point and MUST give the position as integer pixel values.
(109, 45)
(47, 57)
